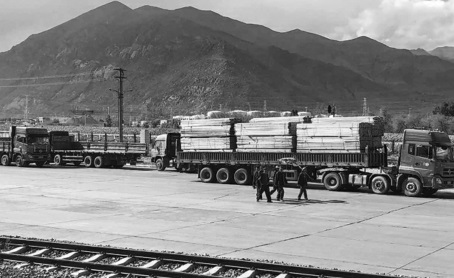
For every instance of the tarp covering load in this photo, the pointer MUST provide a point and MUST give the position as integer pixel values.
(265, 136)
(208, 135)
(340, 134)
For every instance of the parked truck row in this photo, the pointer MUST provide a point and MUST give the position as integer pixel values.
(425, 164)
(27, 145)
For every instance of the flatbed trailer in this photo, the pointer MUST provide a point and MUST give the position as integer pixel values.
(238, 167)
(93, 154)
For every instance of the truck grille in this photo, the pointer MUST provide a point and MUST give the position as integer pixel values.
(448, 172)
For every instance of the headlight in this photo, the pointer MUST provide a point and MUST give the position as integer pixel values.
(438, 180)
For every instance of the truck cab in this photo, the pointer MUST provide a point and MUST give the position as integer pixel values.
(426, 162)
(26, 145)
(164, 150)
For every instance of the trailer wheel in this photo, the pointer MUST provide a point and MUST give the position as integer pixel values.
(58, 160)
(5, 160)
(207, 175)
(98, 162)
(379, 185)
(88, 160)
(242, 177)
(160, 165)
(412, 187)
(20, 161)
(224, 175)
(332, 181)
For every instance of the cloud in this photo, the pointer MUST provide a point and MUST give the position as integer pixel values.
(404, 24)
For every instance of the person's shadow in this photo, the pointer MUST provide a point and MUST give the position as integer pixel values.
(311, 202)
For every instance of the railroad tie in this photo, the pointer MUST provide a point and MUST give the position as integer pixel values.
(69, 256)
(111, 275)
(94, 258)
(153, 264)
(123, 261)
(39, 252)
(248, 274)
(79, 273)
(17, 250)
(283, 275)
(19, 266)
(214, 270)
(185, 268)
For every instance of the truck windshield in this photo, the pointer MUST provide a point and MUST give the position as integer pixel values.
(37, 140)
(444, 154)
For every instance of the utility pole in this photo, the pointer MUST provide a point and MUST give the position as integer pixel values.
(120, 100)
(26, 109)
(365, 108)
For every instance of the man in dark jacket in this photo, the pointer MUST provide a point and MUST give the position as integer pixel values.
(264, 187)
(302, 182)
(280, 181)
(256, 182)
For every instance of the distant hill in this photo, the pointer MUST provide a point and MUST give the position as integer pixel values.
(445, 52)
(190, 61)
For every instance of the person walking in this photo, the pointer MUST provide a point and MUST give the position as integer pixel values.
(280, 182)
(302, 183)
(264, 187)
(256, 183)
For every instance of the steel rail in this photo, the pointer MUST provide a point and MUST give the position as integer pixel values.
(260, 267)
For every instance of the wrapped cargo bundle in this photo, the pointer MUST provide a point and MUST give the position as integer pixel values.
(340, 134)
(208, 135)
(289, 119)
(265, 136)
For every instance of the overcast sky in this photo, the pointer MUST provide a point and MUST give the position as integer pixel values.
(406, 24)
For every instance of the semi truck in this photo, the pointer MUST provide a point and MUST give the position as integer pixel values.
(24, 145)
(65, 149)
(425, 164)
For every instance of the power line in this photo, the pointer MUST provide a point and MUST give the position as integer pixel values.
(49, 84)
(46, 77)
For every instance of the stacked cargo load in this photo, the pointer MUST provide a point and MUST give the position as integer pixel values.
(216, 135)
(265, 136)
(340, 134)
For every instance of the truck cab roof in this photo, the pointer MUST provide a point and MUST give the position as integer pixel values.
(435, 138)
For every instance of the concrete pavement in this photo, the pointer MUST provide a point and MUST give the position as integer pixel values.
(147, 209)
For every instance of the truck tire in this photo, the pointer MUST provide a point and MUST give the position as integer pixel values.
(224, 175)
(207, 174)
(332, 181)
(98, 162)
(88, 160)
(160, 164)
(379, 185)
(5, 160)
(118, 165)
(20, 161)
(412, 187)
(242, 177)
(58, 160)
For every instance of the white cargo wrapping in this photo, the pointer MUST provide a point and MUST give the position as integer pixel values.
(339, 134)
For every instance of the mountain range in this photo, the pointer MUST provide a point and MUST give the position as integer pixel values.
(188, 61)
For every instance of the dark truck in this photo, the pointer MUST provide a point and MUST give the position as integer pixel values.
(24, 145)
(425, 164)
(65, 149)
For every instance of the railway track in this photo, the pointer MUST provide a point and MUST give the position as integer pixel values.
(85, 260)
